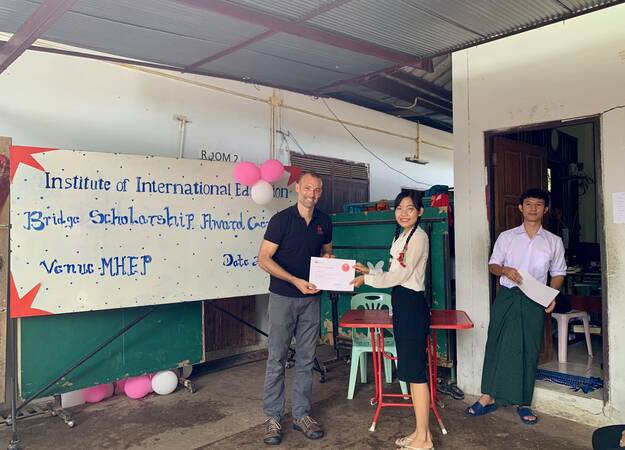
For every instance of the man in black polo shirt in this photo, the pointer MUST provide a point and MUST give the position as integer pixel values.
(293, 236)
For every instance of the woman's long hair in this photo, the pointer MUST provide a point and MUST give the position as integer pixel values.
(416, 200)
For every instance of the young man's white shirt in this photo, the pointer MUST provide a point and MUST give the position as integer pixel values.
(542, 255)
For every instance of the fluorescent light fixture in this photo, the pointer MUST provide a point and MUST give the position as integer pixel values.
(415, 159)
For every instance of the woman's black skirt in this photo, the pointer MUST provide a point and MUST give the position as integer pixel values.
(411, 325)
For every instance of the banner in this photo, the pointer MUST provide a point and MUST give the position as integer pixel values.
(97, 231)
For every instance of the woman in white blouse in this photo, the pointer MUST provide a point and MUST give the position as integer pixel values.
(411, 312)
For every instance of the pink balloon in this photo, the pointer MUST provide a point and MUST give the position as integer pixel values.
(246, 173)
(95, 394)
(271, 170)
(138, 387)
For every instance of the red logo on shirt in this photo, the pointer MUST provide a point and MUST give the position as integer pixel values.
(319, 229)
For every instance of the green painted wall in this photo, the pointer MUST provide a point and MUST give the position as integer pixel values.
(168, 337)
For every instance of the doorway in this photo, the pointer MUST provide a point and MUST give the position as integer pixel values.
(562, 158)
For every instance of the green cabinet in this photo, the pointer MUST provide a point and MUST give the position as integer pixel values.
(367, 237)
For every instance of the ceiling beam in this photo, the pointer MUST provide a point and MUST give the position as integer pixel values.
(37, 24)
(420, 83)
(133, 62)
(405, 93)
(427, 97)
(366, 102)
(363, 101)
(264, 35)
(370, 76)
(425, 120)
(305, 31)
(431, 123)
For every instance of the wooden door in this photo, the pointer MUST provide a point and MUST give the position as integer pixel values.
(517, 167)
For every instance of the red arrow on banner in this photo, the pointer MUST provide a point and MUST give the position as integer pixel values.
(22, 306)
(23, 155)
(294, 174)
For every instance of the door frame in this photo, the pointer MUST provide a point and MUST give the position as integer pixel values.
(490, 212)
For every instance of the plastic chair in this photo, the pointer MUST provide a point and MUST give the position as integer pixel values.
(361, 342)
(563, 331)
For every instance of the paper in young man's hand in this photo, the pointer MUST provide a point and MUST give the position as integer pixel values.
(534, 289)
(332, 274)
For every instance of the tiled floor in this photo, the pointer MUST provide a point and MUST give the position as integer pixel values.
(578, 363)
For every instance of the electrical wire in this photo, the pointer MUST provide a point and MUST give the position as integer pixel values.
(290, 135)
(369, 151)
(612, 109)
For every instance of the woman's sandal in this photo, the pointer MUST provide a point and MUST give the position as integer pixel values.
(402, 441)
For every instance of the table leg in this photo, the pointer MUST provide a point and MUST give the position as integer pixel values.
(373, 336)
(432, 354)
(377, 374)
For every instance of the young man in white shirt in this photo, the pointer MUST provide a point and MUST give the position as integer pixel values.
(516, 325)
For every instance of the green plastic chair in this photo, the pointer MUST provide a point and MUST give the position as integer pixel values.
(361, 342)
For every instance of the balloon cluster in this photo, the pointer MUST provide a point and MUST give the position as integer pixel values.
(163, 383)
(259, 178)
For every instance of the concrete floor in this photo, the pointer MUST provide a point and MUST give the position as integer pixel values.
(225, 413)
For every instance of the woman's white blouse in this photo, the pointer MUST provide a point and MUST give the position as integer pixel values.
(412, 276)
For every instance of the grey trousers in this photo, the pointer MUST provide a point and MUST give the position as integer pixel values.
(288, 317)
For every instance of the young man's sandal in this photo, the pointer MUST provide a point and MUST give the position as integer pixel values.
(408, 447)
(477, 409)
(523, 412)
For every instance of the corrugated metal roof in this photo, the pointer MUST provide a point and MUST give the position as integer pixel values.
(316, 54)
(13, 13)
(131, 41)
(293, 9)
(269, 69)
(582, 5)
(413, 31)
(342, 46)
(441, 73)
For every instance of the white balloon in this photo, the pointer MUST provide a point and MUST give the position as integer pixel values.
(164, 382)
(262, 192)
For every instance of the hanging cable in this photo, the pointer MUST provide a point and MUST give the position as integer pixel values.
(369, 151)
(288, 134)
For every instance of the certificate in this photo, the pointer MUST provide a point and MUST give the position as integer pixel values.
(534, 289)
(332, 274)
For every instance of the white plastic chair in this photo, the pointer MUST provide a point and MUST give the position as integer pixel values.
(563, 320)
(361, 342)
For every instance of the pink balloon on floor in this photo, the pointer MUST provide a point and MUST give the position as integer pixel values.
(138, 387)
(246, 173)
(271, 170)
(95, 394)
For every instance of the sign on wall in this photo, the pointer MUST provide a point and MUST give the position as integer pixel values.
(97, 231)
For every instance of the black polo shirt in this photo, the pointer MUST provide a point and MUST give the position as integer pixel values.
(297, 243)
